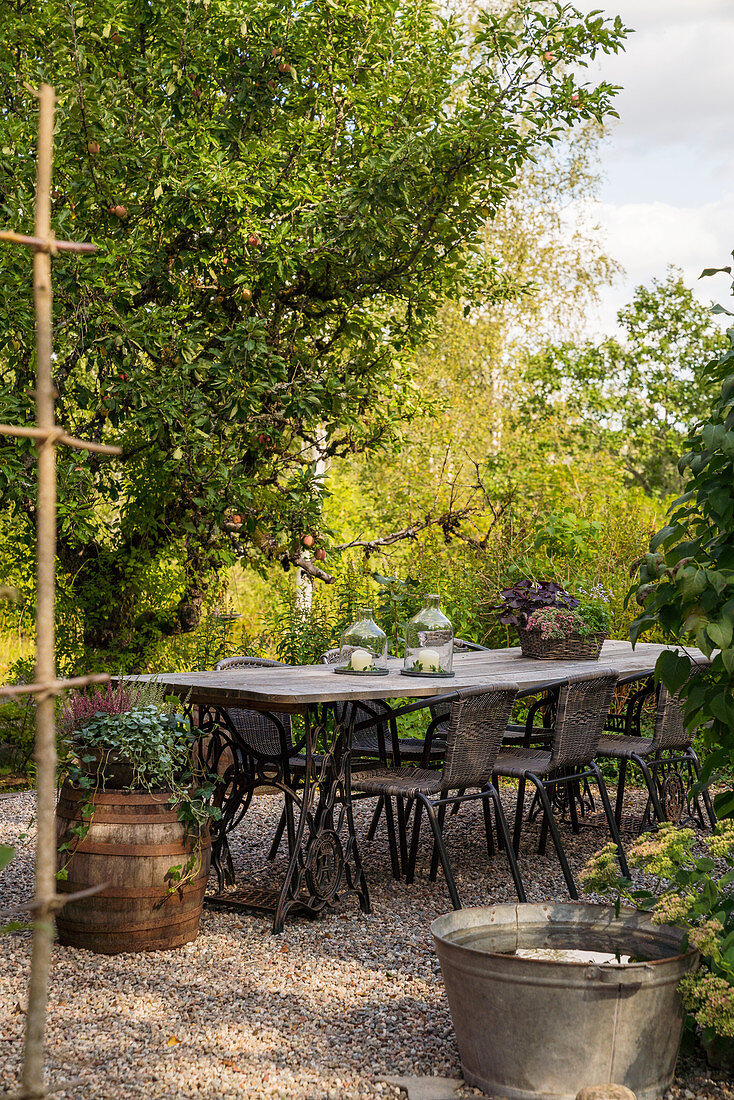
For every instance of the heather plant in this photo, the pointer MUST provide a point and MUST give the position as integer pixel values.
(691, 889)
(555, 623)
(81, 708)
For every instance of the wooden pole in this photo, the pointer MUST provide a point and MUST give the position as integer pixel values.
(32, 1084)
(46, 687)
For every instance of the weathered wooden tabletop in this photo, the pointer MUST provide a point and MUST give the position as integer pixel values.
(293, 687)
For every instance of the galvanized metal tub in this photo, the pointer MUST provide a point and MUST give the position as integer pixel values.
(530, 1028)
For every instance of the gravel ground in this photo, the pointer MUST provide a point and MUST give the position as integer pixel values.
(320, 1013)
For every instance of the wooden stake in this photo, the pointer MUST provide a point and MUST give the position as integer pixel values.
(45, 753)
(46, 687)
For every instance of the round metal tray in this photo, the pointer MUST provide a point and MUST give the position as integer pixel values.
(363, 671)
(427, 675)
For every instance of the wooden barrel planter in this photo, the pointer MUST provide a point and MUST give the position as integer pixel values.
(134, 839)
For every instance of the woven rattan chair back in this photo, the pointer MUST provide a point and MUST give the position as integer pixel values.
(266, 733)
(476, 725)
(441, 711)
(670, 727)
(360, 713)
(582, 705)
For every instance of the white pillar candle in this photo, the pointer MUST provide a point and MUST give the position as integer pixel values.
(360, 660)
(429, 660)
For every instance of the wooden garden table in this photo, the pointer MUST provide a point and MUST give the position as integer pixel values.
(325, 864)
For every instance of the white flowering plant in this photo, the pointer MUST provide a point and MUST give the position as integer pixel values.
(690, 889)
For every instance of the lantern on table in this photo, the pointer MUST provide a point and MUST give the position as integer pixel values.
(363, 647)
(429, 641)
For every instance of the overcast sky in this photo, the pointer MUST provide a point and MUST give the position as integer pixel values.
(668, 165)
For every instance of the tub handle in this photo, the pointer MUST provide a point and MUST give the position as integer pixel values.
(613, 975)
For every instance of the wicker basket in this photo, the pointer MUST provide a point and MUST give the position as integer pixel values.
(575, 647)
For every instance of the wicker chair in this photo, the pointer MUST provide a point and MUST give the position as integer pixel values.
(370, 719)
(582, 703)
(370, 743)
(375, 739)
(263, 738)
(474, 737)
(660, 758)
(441, 711)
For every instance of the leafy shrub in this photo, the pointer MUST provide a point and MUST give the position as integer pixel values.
(684, 890)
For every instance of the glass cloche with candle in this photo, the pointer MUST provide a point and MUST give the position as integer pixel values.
(363, 646)
(429, 641)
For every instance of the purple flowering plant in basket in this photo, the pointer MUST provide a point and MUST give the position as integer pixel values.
(522, 599)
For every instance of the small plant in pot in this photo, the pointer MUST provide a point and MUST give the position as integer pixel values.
(551, 623)
(688, 882)
(132, 818)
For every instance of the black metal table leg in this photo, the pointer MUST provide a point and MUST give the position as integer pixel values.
(325, 865)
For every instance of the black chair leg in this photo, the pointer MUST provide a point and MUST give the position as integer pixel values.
(603, 794)
(500, 837)
(371, 832)
(438, 842)
(543, 840)
(412, 858)
(434, 854)
(504, 832)
(573, 786)
(652, 788)
(487, 811)
(519, 814)
(619, 804)
(390, 821)
(548, 809)
(457, 805)
(403, 833)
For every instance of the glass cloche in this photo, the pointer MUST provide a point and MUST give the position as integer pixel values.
(363, 646)
(429, 641)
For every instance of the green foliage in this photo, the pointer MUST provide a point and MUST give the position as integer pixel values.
(568, 534)
(301, 636)
(137, 742)
(468, 579)
(637, 397)
(688, 889)
(686, 580)
(17, 734)
(6, 854)
(397, 602)
(594, 609)
(281, 197)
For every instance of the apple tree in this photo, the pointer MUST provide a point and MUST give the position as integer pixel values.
(282, 195)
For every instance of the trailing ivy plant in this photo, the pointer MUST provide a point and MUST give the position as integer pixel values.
(131, 738)
(686, 580)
